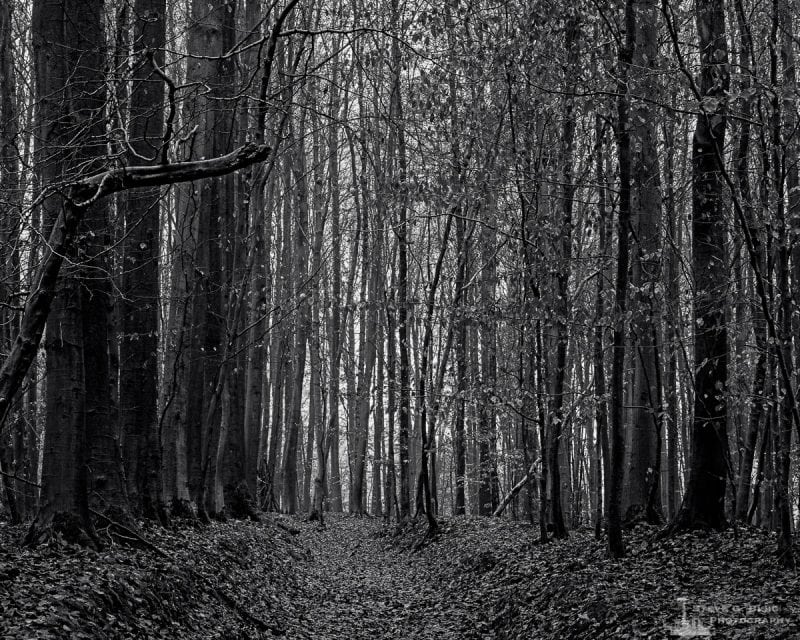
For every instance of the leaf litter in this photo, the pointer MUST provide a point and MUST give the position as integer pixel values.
(359, 578)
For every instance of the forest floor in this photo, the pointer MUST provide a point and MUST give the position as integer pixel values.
(357, 578)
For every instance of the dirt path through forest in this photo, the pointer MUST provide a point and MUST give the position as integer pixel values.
(362, 586)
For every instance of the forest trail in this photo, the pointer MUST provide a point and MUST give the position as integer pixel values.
(481, 579)
(360, 585)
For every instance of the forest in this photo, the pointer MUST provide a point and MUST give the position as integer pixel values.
(500, 297)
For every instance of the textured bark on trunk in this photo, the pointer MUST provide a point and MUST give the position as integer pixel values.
(211, 32)
(402, 277)
(783, 438)
(81, 454)
(460, 443)
(299, 193)
(335, 321)
(672, 334)
(140, 209)
(557, 416)
(14, 450)
(704, 501)
(642, 498)
(601, 451)
(616, 544)
(488, 492)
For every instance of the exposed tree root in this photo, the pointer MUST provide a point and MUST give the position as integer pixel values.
(69, 527)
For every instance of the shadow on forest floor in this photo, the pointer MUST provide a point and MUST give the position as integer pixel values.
(356, 578)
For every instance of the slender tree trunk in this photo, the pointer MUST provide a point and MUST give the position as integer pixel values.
(378, 463)
(335, 322)
(392, 505)
(601, 449)
(671, 314)
(557, 417)
(783, 437)
(614, 517)
(488, 497)
(367, 354)
(14, 454)
(402, 276)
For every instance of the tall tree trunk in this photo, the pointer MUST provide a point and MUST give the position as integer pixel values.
(616, 545)
(302, 324)
(704, 501)
(559, 373)
(210, 33)
(742, 174)
(392, 505)
(81, 452)
(459, 436)
(642, 498)
(335, 322)
(280, 354)
(488, 497)
(671, 302)
(14, 453)
(141, 210)
(783, 437)
(402, 273)
(601, 448)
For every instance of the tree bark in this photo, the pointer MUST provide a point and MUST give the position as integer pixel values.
(141, 210)
(616, 544)
(704, 501)
(642, 498)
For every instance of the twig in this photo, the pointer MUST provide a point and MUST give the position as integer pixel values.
(16, 477)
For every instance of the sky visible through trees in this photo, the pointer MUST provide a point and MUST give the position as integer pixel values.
(409, 260)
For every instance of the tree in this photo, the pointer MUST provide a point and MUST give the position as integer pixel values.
(625, 58)
(138, 395)
(559, 371)
(82, 468)
(80, 455)
(12, 451)
(642, 473)
(704, 500)
(401, 298)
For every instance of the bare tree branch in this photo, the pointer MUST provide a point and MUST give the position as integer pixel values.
(78, 197)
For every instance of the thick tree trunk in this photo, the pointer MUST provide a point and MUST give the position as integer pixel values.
(81, 454)
(704, 501)
(642, 498)
(138, 342)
